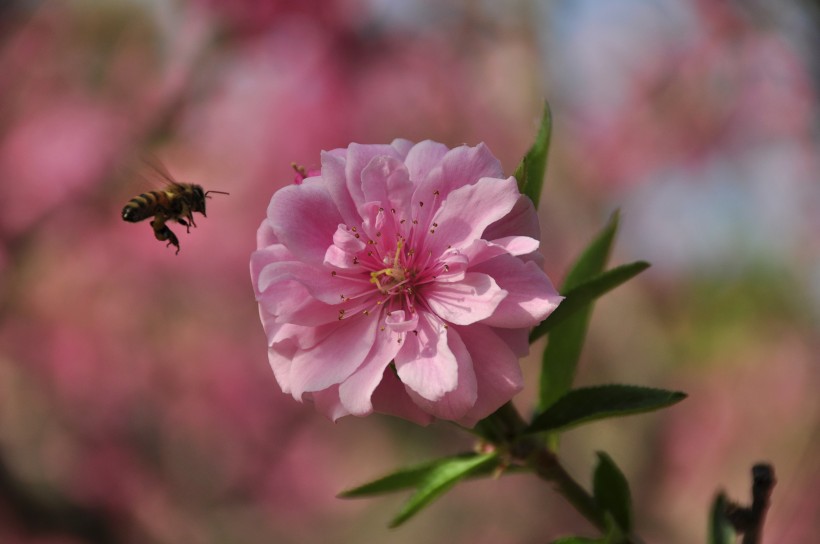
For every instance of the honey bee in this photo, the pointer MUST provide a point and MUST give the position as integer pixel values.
(177, 202)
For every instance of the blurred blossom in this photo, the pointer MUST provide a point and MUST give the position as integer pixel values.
(351, 261)
(683, 83)
(51, 156)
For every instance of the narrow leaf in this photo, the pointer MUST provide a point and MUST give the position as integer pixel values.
(611, 492)
(410, 477)
(600, 402)
(580, 296)
(440, 479)
(720, 528)
(561, 355)
(530, 171)
(578, 540)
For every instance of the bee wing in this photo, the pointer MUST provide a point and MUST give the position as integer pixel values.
(155, 169)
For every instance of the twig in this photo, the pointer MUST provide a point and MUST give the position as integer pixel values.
(749, 521)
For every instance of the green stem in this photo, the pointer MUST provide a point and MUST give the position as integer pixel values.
(504, 428)
(546, 466)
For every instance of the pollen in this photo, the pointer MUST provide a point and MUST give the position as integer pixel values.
(395, 274)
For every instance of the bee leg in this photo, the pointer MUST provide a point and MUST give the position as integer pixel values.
(186, 224)
(162, 233)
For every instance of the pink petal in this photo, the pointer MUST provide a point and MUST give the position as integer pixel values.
(425, 364)
(386, 180)
(304, 219)
(280, 356)
(356, 391)
(335, 358)
(423, 158)
(335, 181)
(474, 298)
(482, 250)
(458, 402)
(402, 147)
(265, 236)
(391, 398)
(531, 296)
(466, 165)
(399, 321)
(277, 278)
(467, 211)
(497, 372)
(518, 340)
(358, 157)
(328, 403)
(458, 167)
(521, 221)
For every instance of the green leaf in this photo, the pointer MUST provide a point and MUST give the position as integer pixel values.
(561, 355)
(410, 477)
(440, 479)
(578, 540)
(611, 492)
(530, 171)
(592, 403)
(720, 528)
(580, 296)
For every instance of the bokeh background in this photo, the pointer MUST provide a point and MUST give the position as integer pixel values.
(136, 401)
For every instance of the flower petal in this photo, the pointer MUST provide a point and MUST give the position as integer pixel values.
(304, 219)
(459, 167)
(391, 398)
(335, 358)
(521, 221)
(497, 372)
(455, 404)
(386, 180)
(472, 299)
(335, 181)
(531, 296)
(328, 402)
(467, 211)
(423, 158)
(358, 157)
(402, 147)
(425, 363)
(356, 391)
(482, 250)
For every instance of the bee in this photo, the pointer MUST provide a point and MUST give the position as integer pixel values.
(176, 202)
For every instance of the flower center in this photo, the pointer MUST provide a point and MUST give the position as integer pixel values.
(387, 280)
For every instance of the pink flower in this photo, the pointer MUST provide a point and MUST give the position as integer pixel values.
(403, 279)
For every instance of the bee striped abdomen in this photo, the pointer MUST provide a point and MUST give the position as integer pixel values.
(143, 206)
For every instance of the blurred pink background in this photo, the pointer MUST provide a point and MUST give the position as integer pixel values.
(135, 395)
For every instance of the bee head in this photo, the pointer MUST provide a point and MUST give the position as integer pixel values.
(198, 202)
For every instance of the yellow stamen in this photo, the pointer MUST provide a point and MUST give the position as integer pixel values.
(396, 271)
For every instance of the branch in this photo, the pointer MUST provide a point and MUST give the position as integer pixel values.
(749, 521)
